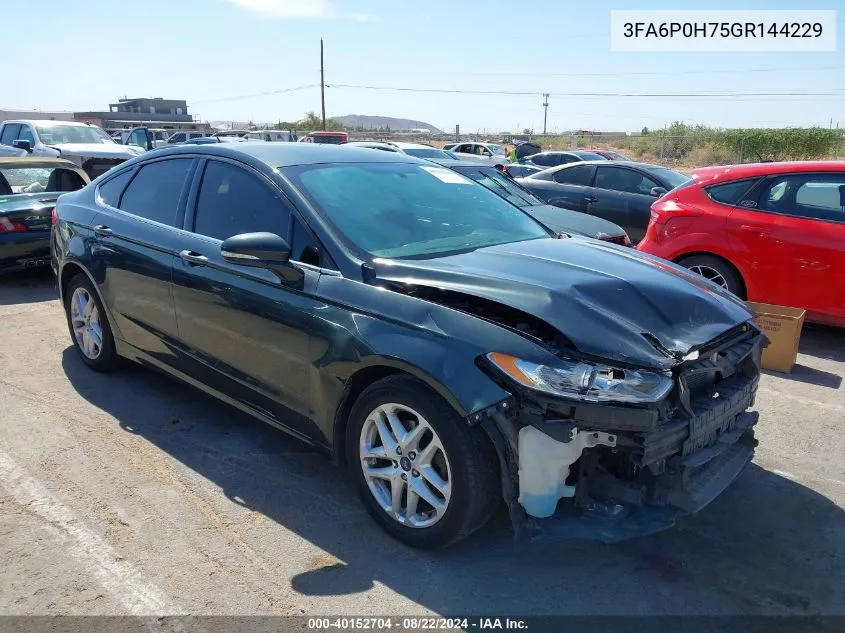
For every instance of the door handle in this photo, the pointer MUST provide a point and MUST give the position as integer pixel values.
(101, 229)
(591, 199)
(193, 258)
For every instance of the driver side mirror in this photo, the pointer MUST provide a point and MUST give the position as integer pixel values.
(657, 191)
(261, 250)
(23, 144)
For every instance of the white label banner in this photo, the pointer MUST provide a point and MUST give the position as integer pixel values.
(723, 31)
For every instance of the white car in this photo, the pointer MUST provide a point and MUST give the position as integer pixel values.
(487, 153)
(86, 145)
(412, 149)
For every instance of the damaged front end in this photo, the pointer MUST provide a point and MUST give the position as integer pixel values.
(624, 468)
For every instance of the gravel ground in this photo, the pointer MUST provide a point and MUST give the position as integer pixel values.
(130, 493)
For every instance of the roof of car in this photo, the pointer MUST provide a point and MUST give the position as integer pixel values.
(288, 154)
(36, 161)
(49, 122)
(721, 173)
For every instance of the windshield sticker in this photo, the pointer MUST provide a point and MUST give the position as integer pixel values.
(447, 175)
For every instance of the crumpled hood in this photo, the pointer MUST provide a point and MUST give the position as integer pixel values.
(607, 300)
(96, 150)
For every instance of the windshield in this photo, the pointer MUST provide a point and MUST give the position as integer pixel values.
(410, 210)
(589, 156)
(501, 185)
(59, 134)
(427, 153)
(496, 149)
(671, 177)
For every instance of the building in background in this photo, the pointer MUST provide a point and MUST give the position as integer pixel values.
(169, 114)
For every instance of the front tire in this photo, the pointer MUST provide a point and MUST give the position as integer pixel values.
(423, 474)
(89, 326)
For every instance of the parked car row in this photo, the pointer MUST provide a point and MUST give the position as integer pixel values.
(414, 320)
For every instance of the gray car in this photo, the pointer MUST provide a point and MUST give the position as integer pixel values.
(554, 218)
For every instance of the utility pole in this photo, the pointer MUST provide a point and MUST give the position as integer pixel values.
(545, 110)
(322, 85)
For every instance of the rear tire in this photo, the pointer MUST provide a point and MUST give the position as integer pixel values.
(716, 270)
(89, 326)
(448, 462)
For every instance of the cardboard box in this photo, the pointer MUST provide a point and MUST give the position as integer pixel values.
(783, 327)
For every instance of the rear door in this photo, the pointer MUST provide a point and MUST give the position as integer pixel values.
(571, 187)
(621, 195)
(242, 330)
(137, 240)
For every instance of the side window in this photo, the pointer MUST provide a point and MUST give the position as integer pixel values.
(464, 149)
(233, 201)
(10, 133)
(179, 137)
(26, 134)
(579, 175)
(195, 135)
(623, 180)
(814, 196)
(729, 192)
(546, 160)
(155, 191)
(109, 191)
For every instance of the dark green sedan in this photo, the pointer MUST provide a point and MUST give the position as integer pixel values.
(409, 322)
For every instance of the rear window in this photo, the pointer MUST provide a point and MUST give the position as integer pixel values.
(15, 179)
(729, 192)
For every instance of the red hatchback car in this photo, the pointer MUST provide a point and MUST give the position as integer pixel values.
(769, 232)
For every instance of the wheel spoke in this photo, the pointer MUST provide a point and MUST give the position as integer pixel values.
(89, 307)
(412, 437)
(96, 336)
(387, 439)
(396, 489)
(380, 472)
(374, 452)
(434, 479)
(396, 426)
(428, 496)
(411, 505)
(428, 453)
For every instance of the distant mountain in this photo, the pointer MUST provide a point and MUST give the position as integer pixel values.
(351, 121)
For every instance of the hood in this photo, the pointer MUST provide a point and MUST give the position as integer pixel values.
(566, 221)
(98, 150)
(612, 303)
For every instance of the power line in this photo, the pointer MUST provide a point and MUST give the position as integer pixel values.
(740, 95)
(258, 94)
(656, 73)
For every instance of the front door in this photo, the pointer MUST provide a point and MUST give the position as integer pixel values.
(243, 330)
(798, 235)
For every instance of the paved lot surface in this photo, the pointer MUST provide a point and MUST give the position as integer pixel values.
(132, 494)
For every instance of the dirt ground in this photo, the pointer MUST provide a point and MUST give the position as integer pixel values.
(132, 494)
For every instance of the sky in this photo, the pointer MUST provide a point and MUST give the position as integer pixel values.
(245, 60)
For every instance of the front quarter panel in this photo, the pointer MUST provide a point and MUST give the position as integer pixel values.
(371, 326)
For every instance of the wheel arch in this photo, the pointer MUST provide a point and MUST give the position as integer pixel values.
(68, 271)
(700, 253)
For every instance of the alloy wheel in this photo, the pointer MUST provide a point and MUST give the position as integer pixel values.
(711, 274)
(405, 466)
(85, 320)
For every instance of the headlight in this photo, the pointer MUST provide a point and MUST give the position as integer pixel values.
(585, 381)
